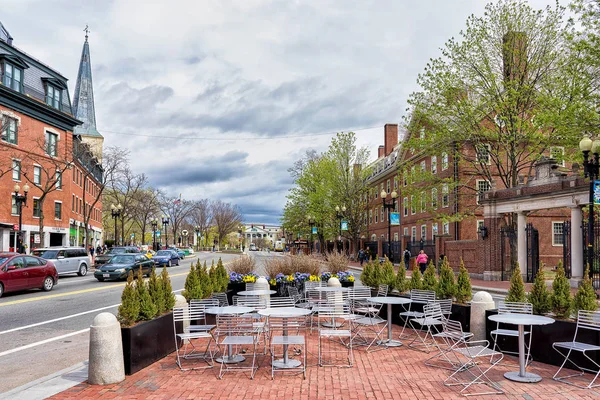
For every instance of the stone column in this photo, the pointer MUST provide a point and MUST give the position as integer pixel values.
(576, 244)
(522, 242)
(106, 365)
(481, 302)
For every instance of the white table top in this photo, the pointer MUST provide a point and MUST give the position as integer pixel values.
(258, 292)
(521, 319)
(229, 310)
(331, 289)
(390, 300)
(285, 312)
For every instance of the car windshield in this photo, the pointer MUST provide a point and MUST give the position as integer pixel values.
(116, 250)
(163, 253)
(3, 259)
(122, 259)
(47, 254)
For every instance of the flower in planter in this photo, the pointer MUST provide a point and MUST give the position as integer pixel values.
(345, 276)
(234, 277)
(272, 282)
(249, 278)
(325, 276)
(314, 278)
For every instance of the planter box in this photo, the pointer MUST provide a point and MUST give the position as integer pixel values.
(543, 337)
(147, 342)
(233, 289)
(347, 284)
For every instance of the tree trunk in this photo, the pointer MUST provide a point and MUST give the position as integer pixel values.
(41, 222)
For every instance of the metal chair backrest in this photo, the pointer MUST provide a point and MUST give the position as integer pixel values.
(335, 310)
(359, 293)
(433, 310)
(281, 302)
(336, 297)
(513, 307)
(255, 302)
(588, 320)
(446, 306)
(181, 314)
(382, 290)
(315, 296)
(309, 285)
(279, 324)
(454, 330)
(422, 296)
(250, 286)
(294, 293)
(236, 325)
(206, 303)
(222, 297)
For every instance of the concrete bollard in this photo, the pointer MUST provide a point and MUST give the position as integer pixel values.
(106, 365)
(263, 284)
(481, 301)
(337, 297)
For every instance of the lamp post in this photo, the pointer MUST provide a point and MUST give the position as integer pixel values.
(154, 223)
(389, 205)
(311, 223)
(197, 230)
(115, 211)
(185, 234)
(591, 169)
(20, 199)
(339, 214)
(165, 222)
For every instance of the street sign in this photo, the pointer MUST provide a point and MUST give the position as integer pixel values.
(36, 238)
(157, 234)
(132, 235)
(314, 230)
(596, 192)
(344, 226)
(394, 218)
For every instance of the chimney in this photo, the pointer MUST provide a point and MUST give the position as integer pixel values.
(390, 137)
(514, 56)
(380, 151)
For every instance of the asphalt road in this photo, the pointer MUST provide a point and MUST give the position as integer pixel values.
(45, 332)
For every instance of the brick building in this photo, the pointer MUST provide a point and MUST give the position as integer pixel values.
(38, 150)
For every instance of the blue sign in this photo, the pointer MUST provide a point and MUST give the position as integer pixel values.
(394, 218)
(596, 192)
(314, 230)
(344, 225)
(157, 233)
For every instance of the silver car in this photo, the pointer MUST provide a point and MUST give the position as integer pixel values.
(68, 260)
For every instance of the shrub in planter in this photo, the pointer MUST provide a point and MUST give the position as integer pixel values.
(387, 274)
(539, 297)
(206, 284)
(222, 277)
(516, 291)
(148, 309)
(367, 274)
(244, 265)
(415, 279)
(155, 288)
(585, 298)
(561, 294)
(429, 280)
(167, 290)
(377, 273)
(129, 310)
(446, 288)
(464, 292)
(401, 283)
(191, 286)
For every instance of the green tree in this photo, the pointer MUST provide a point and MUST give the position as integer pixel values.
(561, 293)
(446, 288)
(377, 273)
(539, 296)
(129, 310)
(463, 285)
(206, 284)
(401, 283)
(192, 289)
(388, 276)
(516, 291)
(429, 279)
(416, 281)
(155, 288)
(223, 276)
(147, 307)
(169, 296)
(585, 298)
(366, 277)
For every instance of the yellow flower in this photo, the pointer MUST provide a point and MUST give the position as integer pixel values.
(273, 282)
(350, 278)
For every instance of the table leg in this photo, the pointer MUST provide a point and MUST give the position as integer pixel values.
(390, 342)
(230, 358)
(286, 363)
(522, 375)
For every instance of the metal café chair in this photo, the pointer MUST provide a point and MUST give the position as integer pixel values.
(417, 296)
(250, 286)
(586, 321)
(332, 311)
(450, 336)
(283, 340)
(446, 306)
(257, 303)
(358, 296)
(506, 307)
(432, 321)
(238, 331)
(223, 299)
(294, 293)
(197, 308)
(184, 341)
(281, 302)
(368, 328)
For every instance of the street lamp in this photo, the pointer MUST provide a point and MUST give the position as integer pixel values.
(197, 230)
(165, 222)
(389, 205)
(20, 199)
(339, 214)
(154, 223)
(311, 223)
(590, 168)
(185, 234)
(115, 211)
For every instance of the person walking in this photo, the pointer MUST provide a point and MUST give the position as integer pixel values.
(361, 256)
(407, 256)
(422, 260)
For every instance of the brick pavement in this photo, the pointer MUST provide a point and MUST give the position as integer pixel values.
(397, 373)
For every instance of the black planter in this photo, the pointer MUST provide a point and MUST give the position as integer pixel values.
(347, 284)
(233, 289)
(462, 314)
(543, 338)
(147, 342)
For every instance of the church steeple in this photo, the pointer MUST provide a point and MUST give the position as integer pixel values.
(83, 101)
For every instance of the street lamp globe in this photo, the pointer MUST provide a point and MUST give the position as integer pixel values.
(26, 188)
(585, 144)
(596, 146)
(17, 188)
(337, 208)
(394, 195)
(383, 194)
(343, 208)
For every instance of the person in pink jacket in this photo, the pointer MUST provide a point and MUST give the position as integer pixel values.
(422, 260)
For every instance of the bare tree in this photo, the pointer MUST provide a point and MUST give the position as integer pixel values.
(226, 218)
(177, 210)
(145, 206)
(201, 216)
(125, 187)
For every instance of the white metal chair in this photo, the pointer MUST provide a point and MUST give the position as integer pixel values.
(281, 302)
(433, 321)
(238, 331)
(506, 307)
(184, 341)
(382, 290)
(446, 306)
(284, 340)
(197, 308)
(417, 296)
(250, 286)
(368, 328)
(358, 296)
(452, 335)
(586, 320)
(335, 311)
(223, 299)
(294, 293)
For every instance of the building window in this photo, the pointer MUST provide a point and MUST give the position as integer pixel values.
(51, 144)
(382, 218)
(9, 130)
(376, 215)
(13, 77)
(482, 187)
(37, 175)
(412, 205)
(480, 224)
(434, 199)
(444, 161)
(423, 202)
(434, 230)
(396, 183)
(413, 233)
(483, 153)
(446, 228)
(557, 234)
(405, 231)
(396, 237)
(375, 194)
(424, 232)
(434, 164)
(405, 205)
(388, 186)
(16, 170)
(370, 216)
(373, 238)
(37, 211)
(57, 210)
(445, 196)
(53, 96)
(58, 180)
(558, 153)
(404, 179)
(14, 210)
(423, 166)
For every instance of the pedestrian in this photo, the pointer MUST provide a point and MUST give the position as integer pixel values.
(361, 256)
(91, 249)
(368, 255)
(422, 260)
(407, 256)
(98, 249)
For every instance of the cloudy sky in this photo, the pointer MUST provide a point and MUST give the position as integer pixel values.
(218, 98)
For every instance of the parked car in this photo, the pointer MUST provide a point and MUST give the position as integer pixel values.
(166, 257)
(179, 252)
(148, 253)
(120, 264)
(21, 272)
(190, 250)
(252, 247)
(104, 258)
(67, 260)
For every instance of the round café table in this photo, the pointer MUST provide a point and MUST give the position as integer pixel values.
(521, 320)
(331, 289)
(390, 301)
(284, 313)
(229, 310)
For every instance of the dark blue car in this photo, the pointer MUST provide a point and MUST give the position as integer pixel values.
(165, 257)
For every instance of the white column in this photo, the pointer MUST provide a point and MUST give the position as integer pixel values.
(522, 242)
(576, 243)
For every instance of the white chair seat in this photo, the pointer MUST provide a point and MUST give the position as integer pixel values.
(453, 335)
(193, 335)
(427, 321)
(334, 332)
(507, 332)
(413, 314)
(238, 340)
(299, 340)
(476, 351)
(369, 321)
(366, 310)
(577, 346)
(199, 328)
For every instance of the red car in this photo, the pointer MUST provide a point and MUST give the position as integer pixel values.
(22, 271)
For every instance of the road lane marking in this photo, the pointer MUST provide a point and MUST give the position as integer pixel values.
(28, 346)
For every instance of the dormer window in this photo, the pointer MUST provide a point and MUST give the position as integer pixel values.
(53, 96)
(12, 77)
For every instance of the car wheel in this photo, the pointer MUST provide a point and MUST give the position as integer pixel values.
(48, 284)
(83, 269)
(177, 262)
(169, 264)
(1, 290)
